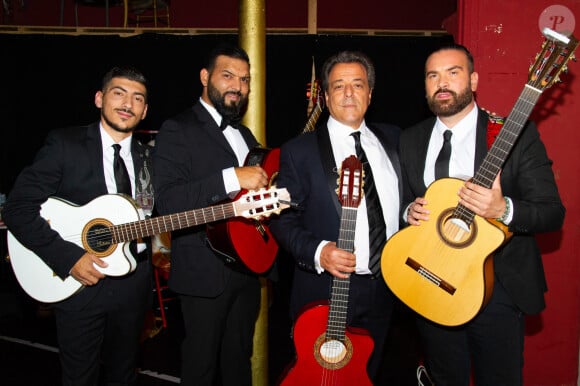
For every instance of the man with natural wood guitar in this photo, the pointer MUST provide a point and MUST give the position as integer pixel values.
(471, 313)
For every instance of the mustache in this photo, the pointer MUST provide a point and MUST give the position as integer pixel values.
(236, 93)
(442, 90)
(128, 111)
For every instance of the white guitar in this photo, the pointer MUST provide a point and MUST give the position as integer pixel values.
(107, 224)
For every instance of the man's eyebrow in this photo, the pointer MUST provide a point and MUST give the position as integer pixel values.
(238, 76)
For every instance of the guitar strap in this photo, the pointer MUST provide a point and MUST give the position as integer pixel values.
(143, 182)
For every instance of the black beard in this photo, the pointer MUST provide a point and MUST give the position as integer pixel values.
(233, 112)
(448, 108)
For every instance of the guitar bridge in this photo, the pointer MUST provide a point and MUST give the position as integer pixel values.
(430, 276)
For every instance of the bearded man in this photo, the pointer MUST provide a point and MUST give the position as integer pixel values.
(523, 196)
(199, 156)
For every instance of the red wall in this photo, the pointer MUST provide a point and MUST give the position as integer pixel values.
(504, 37)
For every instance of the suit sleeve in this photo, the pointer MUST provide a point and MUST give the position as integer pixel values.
(183, 181)
(528, 180)
(35, 184)
(289, 227)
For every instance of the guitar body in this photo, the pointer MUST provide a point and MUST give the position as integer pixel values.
(77, 224)
(248, 241)
(330, 363)
(439, 269)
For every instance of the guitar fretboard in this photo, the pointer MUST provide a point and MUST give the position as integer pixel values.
(502, 146)
(336, 325)
(312, 119)
(156, 225)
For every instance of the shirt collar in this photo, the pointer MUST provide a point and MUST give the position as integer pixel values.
(341, 130)
(463, 128)
(212, 111)
(108, 142)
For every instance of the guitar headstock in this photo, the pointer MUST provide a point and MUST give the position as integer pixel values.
(262, 203)
(557, 50)
(350, 182)
(314, 92)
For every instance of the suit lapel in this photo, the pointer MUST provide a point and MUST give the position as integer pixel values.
(390, 146)
(423, 145)
(94, 147)
(480, 139)
(209, 125)
(328, 165)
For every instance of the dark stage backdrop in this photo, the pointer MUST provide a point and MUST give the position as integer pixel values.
(49, 81)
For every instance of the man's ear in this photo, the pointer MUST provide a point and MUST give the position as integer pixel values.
(474, 80)
(99, 99)
(204, 77)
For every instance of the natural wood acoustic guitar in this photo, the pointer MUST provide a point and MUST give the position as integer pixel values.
(442, 269)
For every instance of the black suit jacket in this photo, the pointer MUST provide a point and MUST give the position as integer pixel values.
(526, 178)
(68, 166)
(189, 156)
(308, 170)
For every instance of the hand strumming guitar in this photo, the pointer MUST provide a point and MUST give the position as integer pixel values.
(85, 272)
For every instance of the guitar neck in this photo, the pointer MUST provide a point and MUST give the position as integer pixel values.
(501, 147)
(157, 225)
(312, 119)
(507, 136)
(336, 325)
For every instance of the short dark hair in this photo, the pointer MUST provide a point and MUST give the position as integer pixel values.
(126, 72)
(225, 49)
(457, 47)
(348, 57)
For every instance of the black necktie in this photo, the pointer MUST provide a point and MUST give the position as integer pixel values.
(442, 162)
(377, 227)
(121, 174)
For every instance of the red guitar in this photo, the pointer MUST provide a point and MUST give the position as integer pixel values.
(339, 355)
(248, 241)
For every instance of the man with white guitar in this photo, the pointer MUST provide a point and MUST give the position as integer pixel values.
(99, 326)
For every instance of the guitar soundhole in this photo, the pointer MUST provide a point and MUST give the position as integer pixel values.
(332, 354)
(455, 232)
(97, 237)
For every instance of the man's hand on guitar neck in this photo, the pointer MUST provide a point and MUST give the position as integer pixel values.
(484, 202)
(252, 177)
(85, 272)
(336, 261)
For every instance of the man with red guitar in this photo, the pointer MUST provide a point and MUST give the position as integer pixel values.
(310, 165)
(199, 164)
